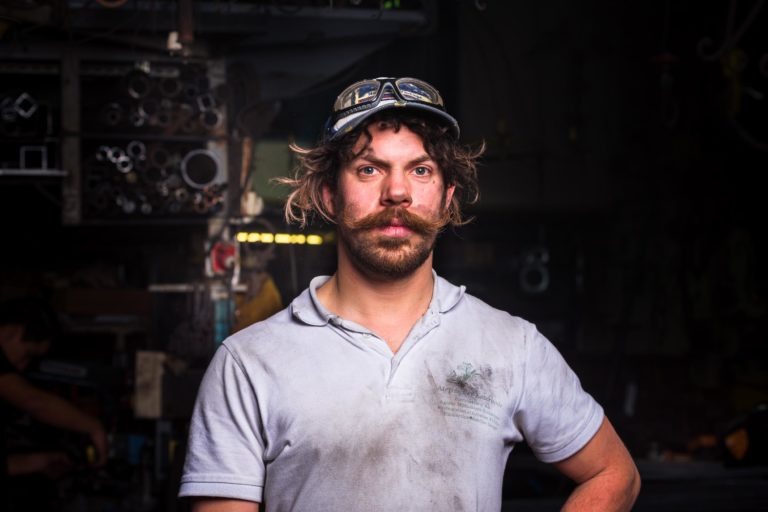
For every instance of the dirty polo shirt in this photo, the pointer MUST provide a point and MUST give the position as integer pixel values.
(307, 411)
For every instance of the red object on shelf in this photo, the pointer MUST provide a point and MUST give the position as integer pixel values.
(222, 257)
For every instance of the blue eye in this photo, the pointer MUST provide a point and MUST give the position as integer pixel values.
(367, 170)
(421, 171)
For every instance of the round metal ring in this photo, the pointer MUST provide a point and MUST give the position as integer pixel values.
(534, 279)
(102, 154)
(136, 150)
(534, 274)
(136, 119)
(159, 156)
(190, 90)
(170, 87)
(200, 168)
(138, 84)
(206, 102)
(181, 195)
(124, 164)
(115, 153)
(210, 119)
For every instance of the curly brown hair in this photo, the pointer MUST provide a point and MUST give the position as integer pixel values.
(319, 166)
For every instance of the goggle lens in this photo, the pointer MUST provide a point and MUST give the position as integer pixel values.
(417, 90)
(357, 94)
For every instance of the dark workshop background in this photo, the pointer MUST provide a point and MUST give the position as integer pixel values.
(621, 192)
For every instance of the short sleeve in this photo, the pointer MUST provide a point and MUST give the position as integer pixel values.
(556, 416)
(225, 450)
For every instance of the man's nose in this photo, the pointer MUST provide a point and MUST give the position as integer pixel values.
(397, 190)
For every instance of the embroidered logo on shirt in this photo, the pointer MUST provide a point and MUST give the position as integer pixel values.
(462, 375)
(468, 394)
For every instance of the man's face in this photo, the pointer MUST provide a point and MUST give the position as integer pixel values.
(21, 352)
(390, 203)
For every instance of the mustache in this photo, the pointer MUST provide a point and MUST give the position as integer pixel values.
(415, 223)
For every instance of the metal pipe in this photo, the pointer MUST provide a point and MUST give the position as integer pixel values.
(210, 119)
(159, 156)
(170, 87)
(138, 84)
(136, 150)
(199, 168)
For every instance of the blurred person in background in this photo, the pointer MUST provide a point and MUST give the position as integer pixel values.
(28, 327)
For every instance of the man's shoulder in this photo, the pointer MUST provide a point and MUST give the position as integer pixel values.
(469, 310)
(472, 304)
(278, 325)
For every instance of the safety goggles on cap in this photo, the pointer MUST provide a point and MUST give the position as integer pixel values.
(363, 99)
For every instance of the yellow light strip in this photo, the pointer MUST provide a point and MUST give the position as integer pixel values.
(279, 238)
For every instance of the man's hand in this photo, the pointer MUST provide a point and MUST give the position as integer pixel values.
(99, 439)
(53, 410)
(56, 464)
(605, 473)
(50, 464)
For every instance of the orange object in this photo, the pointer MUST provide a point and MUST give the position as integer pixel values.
(265, 303)
(737, 443)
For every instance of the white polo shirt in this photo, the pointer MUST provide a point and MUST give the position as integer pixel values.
(306, 411)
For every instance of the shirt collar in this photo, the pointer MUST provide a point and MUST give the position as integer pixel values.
(308, 309)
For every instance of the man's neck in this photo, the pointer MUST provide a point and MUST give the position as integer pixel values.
(388, 307)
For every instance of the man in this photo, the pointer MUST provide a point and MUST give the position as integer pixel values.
(384, 387)
(27, 327)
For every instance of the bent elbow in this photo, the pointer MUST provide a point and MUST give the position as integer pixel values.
(635, 483)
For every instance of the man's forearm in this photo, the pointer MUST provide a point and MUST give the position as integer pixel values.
(57, 412)
(38, 462)
(223, 505)
(615, 492)
(605, 472)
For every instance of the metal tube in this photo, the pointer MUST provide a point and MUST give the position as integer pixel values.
(136, 150)
(199, 168)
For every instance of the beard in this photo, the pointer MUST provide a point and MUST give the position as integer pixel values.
(382, 256)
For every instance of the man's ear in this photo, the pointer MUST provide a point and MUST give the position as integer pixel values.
(329, 200)
(449, 195)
